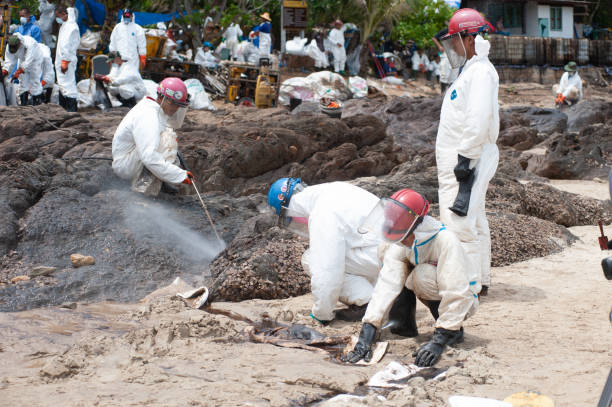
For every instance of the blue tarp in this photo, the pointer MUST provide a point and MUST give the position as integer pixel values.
(98, 13)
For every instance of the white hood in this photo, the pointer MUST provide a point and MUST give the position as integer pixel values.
(482, 46)
(426, 230)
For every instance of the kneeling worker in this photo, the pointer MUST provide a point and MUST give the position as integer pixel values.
(341, 262)
(144, 144)
(123, 81)
(424, 261)
(569, 89)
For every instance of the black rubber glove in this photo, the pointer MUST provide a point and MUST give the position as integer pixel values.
(430, 353)
(462, 169)
(363, 348)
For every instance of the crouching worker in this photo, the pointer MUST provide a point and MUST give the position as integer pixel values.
(426, 261)
(341, 262)
(569, 89)
(144, 144)
(123, 81)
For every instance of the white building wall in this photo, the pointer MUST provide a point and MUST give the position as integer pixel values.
(531, 19)
(567, 22)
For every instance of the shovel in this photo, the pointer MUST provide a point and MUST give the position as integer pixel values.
(603, 239)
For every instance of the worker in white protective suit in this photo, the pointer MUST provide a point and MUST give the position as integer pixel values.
(263, 32)
(336, 39)
(144, 145)
(48, 73)
(341, 262)
(24, 53)
(421, 259)
(45, 22)
(205, 57)
(128, 38)
(68, 41)
(123, 81)
(466, 153)
(420, 62)
(569, 89)
(232, 39)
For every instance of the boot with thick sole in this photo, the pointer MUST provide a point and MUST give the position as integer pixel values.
(23, 98)
(37, 100)
(71, 104)
(62, 100)
(402, 316)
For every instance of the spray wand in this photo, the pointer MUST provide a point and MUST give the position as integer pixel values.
(184, 165)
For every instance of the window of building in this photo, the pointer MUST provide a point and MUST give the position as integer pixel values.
(511, 14)
(556, 18)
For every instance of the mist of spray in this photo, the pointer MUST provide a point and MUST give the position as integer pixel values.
(157, 223)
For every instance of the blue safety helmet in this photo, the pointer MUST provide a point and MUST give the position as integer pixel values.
(280, 192)
(207, 44)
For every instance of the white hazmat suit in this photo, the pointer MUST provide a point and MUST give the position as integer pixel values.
(28, 57)
(206, 58)
(418, 60)
(137, 143)
(570, 87)
(126, 82)
(45, 22)
(441, 273)
(48, 72)
(342, 263)
(68, 41)
(336, 38)
(130, 41)
(469, 126)
(447, 73)
(232, 35)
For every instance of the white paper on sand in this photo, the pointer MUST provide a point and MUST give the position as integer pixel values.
(394, 372)
(200, 293)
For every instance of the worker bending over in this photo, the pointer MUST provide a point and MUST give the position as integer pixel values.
(423, 260)
(569, 89)
(123, 81)
(341, 262)
(144, 145)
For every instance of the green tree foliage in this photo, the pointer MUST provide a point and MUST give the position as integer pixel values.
(422, 22)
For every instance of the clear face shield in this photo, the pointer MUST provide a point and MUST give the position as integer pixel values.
(293, 220)
(391, 221)
(455, 50)
(173, 112)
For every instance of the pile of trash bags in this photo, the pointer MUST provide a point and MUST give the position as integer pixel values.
(300, 46)
(324, 84)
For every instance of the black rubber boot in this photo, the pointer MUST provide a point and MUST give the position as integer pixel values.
(433, 308)
(71, 104)
(484, 291)
(402, 316)
(37, 100)
(62, 101)
(353, 313)
(23, 98)
(47, 95)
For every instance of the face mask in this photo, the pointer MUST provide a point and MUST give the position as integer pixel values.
(59, 20)
(23, 20)
(115, 66)
(127, 20)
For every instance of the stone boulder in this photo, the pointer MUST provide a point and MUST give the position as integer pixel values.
(543, 120)
(588, 112)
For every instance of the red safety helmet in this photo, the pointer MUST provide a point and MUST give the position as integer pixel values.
(403, 212)
(175, 90)
(466, 20)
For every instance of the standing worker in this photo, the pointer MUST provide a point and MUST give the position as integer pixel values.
(232, 39)
(425, 261)
(128, 38)
(419, 62)
(28, 25)
(466, 153)
(336, 38)
(264, 32)
(24, 52)
(144, 145)
(569, 89)
(68, 41)
(48, 73)
(342, 263)
(47, 16)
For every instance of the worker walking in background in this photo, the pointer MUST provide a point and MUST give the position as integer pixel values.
(45, 22)
(24, 53)
(421, 260)
(28, 25)
(569, 89)
(341, 262)
(68, 41)
(232, 39)
(336, 38)
(466, 153)
(48, 73)
(264, 33)
(128, 38)
(144, 145)
(123, 81)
